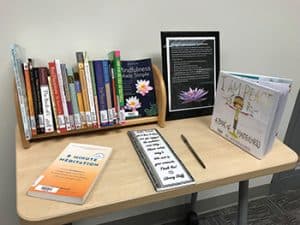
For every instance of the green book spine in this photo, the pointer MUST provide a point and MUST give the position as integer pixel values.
(115, 59)
(114, 56)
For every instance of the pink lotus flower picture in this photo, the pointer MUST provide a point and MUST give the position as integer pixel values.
(132, 103)
(193, 95)
(143, 87)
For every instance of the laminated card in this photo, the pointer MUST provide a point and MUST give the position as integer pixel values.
(164, 168)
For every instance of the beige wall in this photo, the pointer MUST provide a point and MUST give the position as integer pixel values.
(256, 36)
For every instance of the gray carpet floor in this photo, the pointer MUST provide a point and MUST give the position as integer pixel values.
(279, 209)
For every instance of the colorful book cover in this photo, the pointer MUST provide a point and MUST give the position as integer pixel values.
(30, 99)
(101, 93)
(62, 93)
(72, 175)
(138, 86)
(61, 124)
(244, 113)
(283, 85)
(74, 103)
(115, 60)
(94, 92)
(41, 121)
(106, 73)
(46, 100)
(83, 85)
(16, 60)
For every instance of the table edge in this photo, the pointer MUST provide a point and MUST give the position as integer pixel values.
(101, 210)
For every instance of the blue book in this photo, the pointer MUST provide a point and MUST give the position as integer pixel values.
(101, 92)
(106, 73)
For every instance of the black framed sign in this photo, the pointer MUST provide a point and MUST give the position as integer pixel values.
(191, 67)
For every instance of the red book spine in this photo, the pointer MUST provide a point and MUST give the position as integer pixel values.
(61, 124)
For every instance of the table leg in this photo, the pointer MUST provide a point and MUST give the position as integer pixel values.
(243, 203)
(193, 201)
(192, 216)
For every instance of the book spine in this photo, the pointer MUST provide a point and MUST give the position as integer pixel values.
(108, 92)
(30, 99)
(73, 96)
(62, 94)
(86, 104)
(94, 92)
(114, 95)
(39, 101)
(61, 125)
(46, 101)
(80, 100)
(100, 86)
(34, 96)
(116, 64)
(20, 84)
(68, 96)
(90, 90)
(53, 103)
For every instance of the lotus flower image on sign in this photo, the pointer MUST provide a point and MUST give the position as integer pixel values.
(193, 95)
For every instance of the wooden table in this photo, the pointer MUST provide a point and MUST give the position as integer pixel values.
(125, 184)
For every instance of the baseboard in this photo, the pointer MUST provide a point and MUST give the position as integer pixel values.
(179, 212)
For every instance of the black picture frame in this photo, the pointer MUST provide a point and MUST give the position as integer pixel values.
(190, 62)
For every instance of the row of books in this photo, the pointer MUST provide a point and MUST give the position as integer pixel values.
(93, 94)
